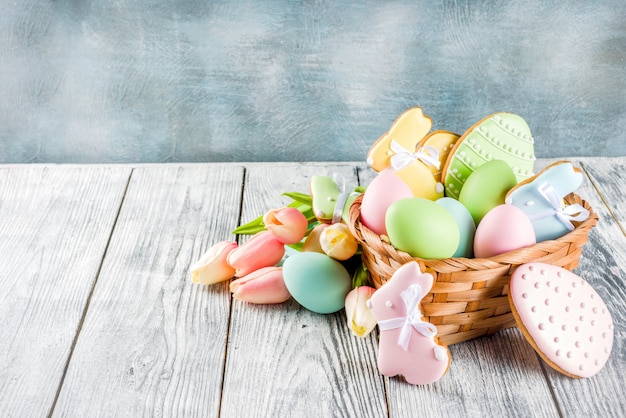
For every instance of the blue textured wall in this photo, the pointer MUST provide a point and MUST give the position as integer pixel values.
(169, 81)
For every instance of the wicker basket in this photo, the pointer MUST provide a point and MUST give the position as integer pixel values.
(469, 296)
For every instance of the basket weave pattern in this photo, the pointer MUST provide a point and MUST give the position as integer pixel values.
(469, 296)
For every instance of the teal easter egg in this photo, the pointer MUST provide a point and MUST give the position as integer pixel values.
(486, 188)
(422, 228)
(316, 281)
(465, 222)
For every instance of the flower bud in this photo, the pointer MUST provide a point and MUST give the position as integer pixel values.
(212, 266)
(287, 224)
(337, 242)
(262, 250)
(312, 242)
(361, 321)
(265, 285)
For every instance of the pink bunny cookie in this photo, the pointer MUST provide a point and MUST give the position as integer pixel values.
(563, 318)
(408, 345)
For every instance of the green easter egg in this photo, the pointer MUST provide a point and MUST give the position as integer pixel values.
(422, 228)
(316, 281)
(486, 188)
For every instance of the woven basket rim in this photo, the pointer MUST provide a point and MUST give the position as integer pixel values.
(365, 236)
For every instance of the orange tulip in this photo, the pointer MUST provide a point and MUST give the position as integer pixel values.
(265, 285)
(287, 224)
(361, 321)
(262, 250)
(212, 266)
(337, 242)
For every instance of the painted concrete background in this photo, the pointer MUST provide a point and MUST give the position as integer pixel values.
(172, 81)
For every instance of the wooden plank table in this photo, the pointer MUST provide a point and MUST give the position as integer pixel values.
(98, 316)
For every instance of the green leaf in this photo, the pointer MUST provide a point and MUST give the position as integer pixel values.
(251, 227)
(302, 198)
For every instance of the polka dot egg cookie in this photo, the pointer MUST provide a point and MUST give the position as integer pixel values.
(563, 318)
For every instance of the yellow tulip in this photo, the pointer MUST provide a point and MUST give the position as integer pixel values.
(312, 242)
(337, 242)
(361, 321)
(212, 266)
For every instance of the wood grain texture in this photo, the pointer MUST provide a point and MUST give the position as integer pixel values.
(153, 343)
(284, 360)
(300, 81)
(607, 176)
(603, 266)
(55, 223)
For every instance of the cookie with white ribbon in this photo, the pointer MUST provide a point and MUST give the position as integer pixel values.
(500, 136)
(408, 345)
(563, 318)
(541, 199)
(412, 154)
(331, 201)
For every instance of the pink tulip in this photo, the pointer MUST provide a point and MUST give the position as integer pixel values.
(212, 266)
(265, 285)
(312, 242)
(287, 224)
(337, 242)
(262, 250)
(361, 321)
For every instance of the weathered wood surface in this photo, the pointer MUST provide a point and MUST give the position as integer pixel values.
(153, 344)
(99, 316)
(55, 225)
(280, 80)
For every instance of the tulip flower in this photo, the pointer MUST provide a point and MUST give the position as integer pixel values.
(265, 285)
(361, 321)
(287, 224)
(262, 250)
(337, 241)
(312, 242)
(212, 266)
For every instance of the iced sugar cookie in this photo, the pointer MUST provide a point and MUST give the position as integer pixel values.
(563, 318)
(408, 345)
(331, 202)
(405, 132)
(501, 136)
(415, 157)
(541, 199)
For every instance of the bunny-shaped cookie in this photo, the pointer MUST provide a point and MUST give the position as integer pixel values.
(541, 199)
(408, 345)
(412, 154)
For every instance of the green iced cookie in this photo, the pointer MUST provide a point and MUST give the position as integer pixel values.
(501, 136)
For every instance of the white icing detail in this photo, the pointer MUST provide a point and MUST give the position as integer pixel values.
(439, 188)
(440, 353)
(388, 304)
(530, 203)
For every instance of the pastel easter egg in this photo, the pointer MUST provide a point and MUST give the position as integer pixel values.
(465, 222)
(486, 188)
(316, 281)
(385, 189)
(422, 228)
(504, 228)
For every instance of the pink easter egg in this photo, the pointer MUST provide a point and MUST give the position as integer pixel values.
(504, 228)
(385, 189)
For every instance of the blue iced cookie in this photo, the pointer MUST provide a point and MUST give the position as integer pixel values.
(541, 199)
